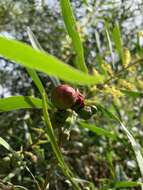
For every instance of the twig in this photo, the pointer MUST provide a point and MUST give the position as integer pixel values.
(48, 175)
(58, 119)
(37, 140)
(123, 70)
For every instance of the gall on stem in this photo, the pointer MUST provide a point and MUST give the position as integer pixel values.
(65, 97)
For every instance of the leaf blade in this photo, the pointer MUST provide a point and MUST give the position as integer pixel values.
(28, 57)
(118, 41)
(135, 145)
(132, 94)
(71, 27)
(35, 44)
(97, 130)
(19, 102)
(122, 184)
(5, 145)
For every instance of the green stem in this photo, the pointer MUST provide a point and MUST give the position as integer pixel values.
(123, 70)
(48, 175)
(54, 144)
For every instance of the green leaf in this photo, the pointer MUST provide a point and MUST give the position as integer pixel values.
(136, 147)
(109, 43)
(133, 94)
(97, 130)
(85, 2)
(71, 27)
(118, 41)
(5, 145)
(18, 187)
(36, 79)
(28, 57)
(123, 184)
(98, 42)
(32, 73)
(9, 148)
(34, 42)
(19, 102)
(49, 128)
(100, 61)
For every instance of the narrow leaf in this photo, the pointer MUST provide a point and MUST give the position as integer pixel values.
(19, 102)
(5, 145)
(136, 147)
(118, 41)
(97, 130)
(9, 148)
(109, 43)
(133, 94)
(123, 184)
(36, 79)
(71, 27)
(28, 57)
(35, 44)
(98, 42)
(18, 187)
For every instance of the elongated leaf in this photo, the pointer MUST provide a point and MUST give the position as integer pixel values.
(82, 181)
(9, 148)
(49, 128)
(133, 94)
(85, 2)
(19, 102)
(35, 44)
(98, 42)
(97, 130)
(71, 27)
(18, 187)
(123, 184)
(109, 43)
(118, 41)
(5, 145)
(135, 145)
(27, 56)
(36, 79)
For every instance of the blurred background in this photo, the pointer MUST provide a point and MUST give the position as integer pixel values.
(94, 158)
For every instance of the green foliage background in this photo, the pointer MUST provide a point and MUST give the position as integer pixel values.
(111, 33)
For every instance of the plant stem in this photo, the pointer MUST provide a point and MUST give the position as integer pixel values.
(48, 175)
(123, 70)
(54, 144)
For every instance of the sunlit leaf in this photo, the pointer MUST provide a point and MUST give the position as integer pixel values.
(133, 94)
(136, 147)
(35, 44)
(71, 27)
(97, 130)
(109, 43)
(28, 57)
(9, 148)
(118, 41)
(122, 184)
(19, 102)
(5, 145)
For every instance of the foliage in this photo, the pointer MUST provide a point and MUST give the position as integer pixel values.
(102, 152)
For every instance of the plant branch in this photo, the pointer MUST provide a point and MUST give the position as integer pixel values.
(123, 70)
(49, 129)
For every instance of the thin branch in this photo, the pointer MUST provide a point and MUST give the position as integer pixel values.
(49, 173)
(123, 70)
